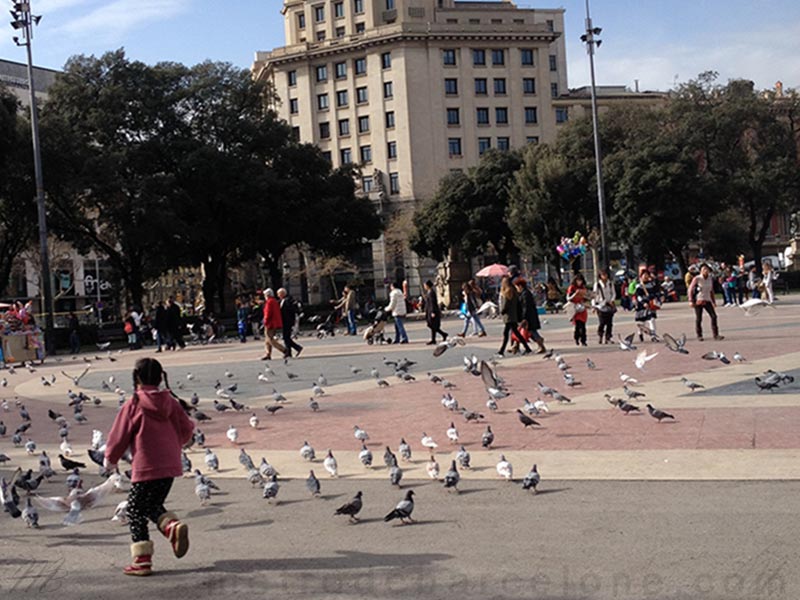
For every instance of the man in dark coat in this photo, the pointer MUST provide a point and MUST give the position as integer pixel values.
(530, 313)
(289, 316)
(162, 332)
(174, 325)
(433, 313)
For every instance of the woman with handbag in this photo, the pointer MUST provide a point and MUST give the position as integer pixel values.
(510, 309)
(603, 302)
(576, 296)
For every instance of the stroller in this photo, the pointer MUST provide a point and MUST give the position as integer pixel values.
(374, 333)
(328, 326)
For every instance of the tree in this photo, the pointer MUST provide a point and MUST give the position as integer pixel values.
(17, 205)
(438, 224)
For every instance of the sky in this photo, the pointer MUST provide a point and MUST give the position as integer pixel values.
(657, 42)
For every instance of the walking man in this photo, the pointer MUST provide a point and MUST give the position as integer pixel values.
(701, 297)
(289, 317)
(348, 306)
(273, 324)
(433, 313)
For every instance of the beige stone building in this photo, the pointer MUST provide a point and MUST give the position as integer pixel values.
(412, 89)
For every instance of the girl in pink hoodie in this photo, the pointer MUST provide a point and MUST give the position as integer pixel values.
(155, 427)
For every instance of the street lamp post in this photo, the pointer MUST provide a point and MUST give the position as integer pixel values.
(24, 21)
(589, 38)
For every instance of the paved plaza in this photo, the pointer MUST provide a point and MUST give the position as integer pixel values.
(702, 506)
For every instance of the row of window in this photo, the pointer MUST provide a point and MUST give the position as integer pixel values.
(340, 69)
(500, 116)
(497, 57)
(485, 143)
(338, 11)
(343, 98)
(368, 183)
(343, 125)
(498, 84)
(474, 21)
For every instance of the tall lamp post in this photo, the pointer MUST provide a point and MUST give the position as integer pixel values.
(589, 38)
(24, 21)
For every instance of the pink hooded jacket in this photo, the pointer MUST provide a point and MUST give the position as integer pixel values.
(155, 428)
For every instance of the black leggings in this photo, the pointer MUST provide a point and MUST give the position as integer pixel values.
(146, 501)
(435, 325)
(509, 329)
(580, 331)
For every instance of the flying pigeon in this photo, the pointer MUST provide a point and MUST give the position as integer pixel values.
(658, 414)
(78, 500)
(643, 358)
(753, 306)
(626, 343)
(403, 509)
(352, 508)
(676, 345)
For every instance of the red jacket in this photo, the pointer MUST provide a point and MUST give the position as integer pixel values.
(272, 314)
(155, 428)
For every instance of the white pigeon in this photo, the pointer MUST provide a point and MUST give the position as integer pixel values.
(232, 434)
(330, 464)
(753, 306)
(738, 357)
(307, 452)
(452, 433)
(504, 468)
(432, 468)
(78, 500)
(360, 434)
(263, 378)
(643, 358)
(627, 379)
(121, 513)
(111, 379)
(97, 439)
(66, 447)
(496, 393)
(322, 380)
(190, 376)
(212, 462)
(254, 421)
(427, 442)
(318, 391)
(491, 404)
(541, 405)
(449, 402)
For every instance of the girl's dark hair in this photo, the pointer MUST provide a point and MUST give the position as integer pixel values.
(147, 371)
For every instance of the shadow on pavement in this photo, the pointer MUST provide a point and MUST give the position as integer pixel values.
(345, 560)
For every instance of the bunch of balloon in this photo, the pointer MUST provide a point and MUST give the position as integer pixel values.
(572, 249)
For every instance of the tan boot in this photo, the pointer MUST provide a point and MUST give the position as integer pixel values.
(142, 554)
(176, 532)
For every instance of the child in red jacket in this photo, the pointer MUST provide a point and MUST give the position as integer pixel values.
(155, 427)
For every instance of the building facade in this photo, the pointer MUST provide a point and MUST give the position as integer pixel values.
(412, 89)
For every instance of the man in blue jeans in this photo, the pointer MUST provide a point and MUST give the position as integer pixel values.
(348, 306)
(397, 306)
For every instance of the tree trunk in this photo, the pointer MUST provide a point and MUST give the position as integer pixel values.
(209, 284)
(757, 239)
(221, 275)
(135, 286)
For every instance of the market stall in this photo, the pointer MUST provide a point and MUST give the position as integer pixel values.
(20, 338)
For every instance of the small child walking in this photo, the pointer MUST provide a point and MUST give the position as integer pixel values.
(155, 427)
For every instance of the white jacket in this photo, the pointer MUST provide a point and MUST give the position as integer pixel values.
(397, 303)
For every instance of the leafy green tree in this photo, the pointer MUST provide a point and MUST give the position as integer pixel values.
(438, 224)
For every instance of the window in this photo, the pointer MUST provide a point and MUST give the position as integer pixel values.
(390, 119)
(532, 139)
(530, 115)
(322, 73)
(453, 116)
(294, 106)
(562, 115)
(474, 21)
(366, 154)
(319, 13)
(501, 116)
(394, 183)
(338, 10)
(449, 57)
(345, 156)
(344, 126)
(451, 87)
(388, 89)
(358, 6)
(359, 27)
(497, 21)
(391, 149)
(554, 90)
(479, 58)
(360, 66)
(296, 133)
(324, 130)
(498, 57)
(551, 26)
(320, 36)
(503, 143)
(327, 156)
(500, 87)
(389, 4)
(340, 32)
(386, 60)
(553, 62)
(526, 57)
(528, 85)
(322, 101)
(482, 115)
(341, 98)
(361, 95)
(340, 69)
(291, 76)
(484, 144)
(301, 20)
(454, 146)
(366, 184)
(480, 87)
(363, 124)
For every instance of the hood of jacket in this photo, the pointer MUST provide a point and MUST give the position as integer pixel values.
(158, 404)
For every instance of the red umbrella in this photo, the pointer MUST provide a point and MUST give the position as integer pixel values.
(495, 270)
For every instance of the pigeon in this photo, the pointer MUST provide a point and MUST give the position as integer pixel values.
(219, 407)
(444, 346)
(352, 508)
(388, 457)
(291, 375)
(313, 404)
(569, 379)
(487, 439)
(353, 370)
(403, 509)
(452, 433)
(405, 449)
(452, 477)
(317, 390)
(331, 465)
(254, 477)
(626, 343)
(470, 415)
(312, 484)
(96, 456)
(643, 358)
(16, 439)
(245, 460)
(212, 462)
(228, 374)
(232, 434)
(427, 442)
(3, 429)
(199, 477)
(253, 421)
(433, 378)
(7, 496)
(545, 390)
(69, 465)
(632, 394)
(78, 500)
(627, 379)
(307, 452)
(504, 468)
(103, 346)
(199, 437)
(273, 409)
(395, 472)
(407, 377)
(449, 402)
(74, 479)
(373, 372)
(277, 396)
(237, 406)
(496, 393)
(30, 515)
(365, 456)
(531, 480)
(30, 446)
(432, 468)
(382, 383)
(463, 457)
(590, 364)
(676, 345)
(714, 355)
(561, 398)
(491, 404)
(692, 385)
(263, 378)
(24, 414)
(186, 463)
(203, 491)
(627, 407)
(525, 419)
(265, 469)
(738, 357)
(360, 434)
(658, 414)
(121, 513)
(753, 306)
(29, 483)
